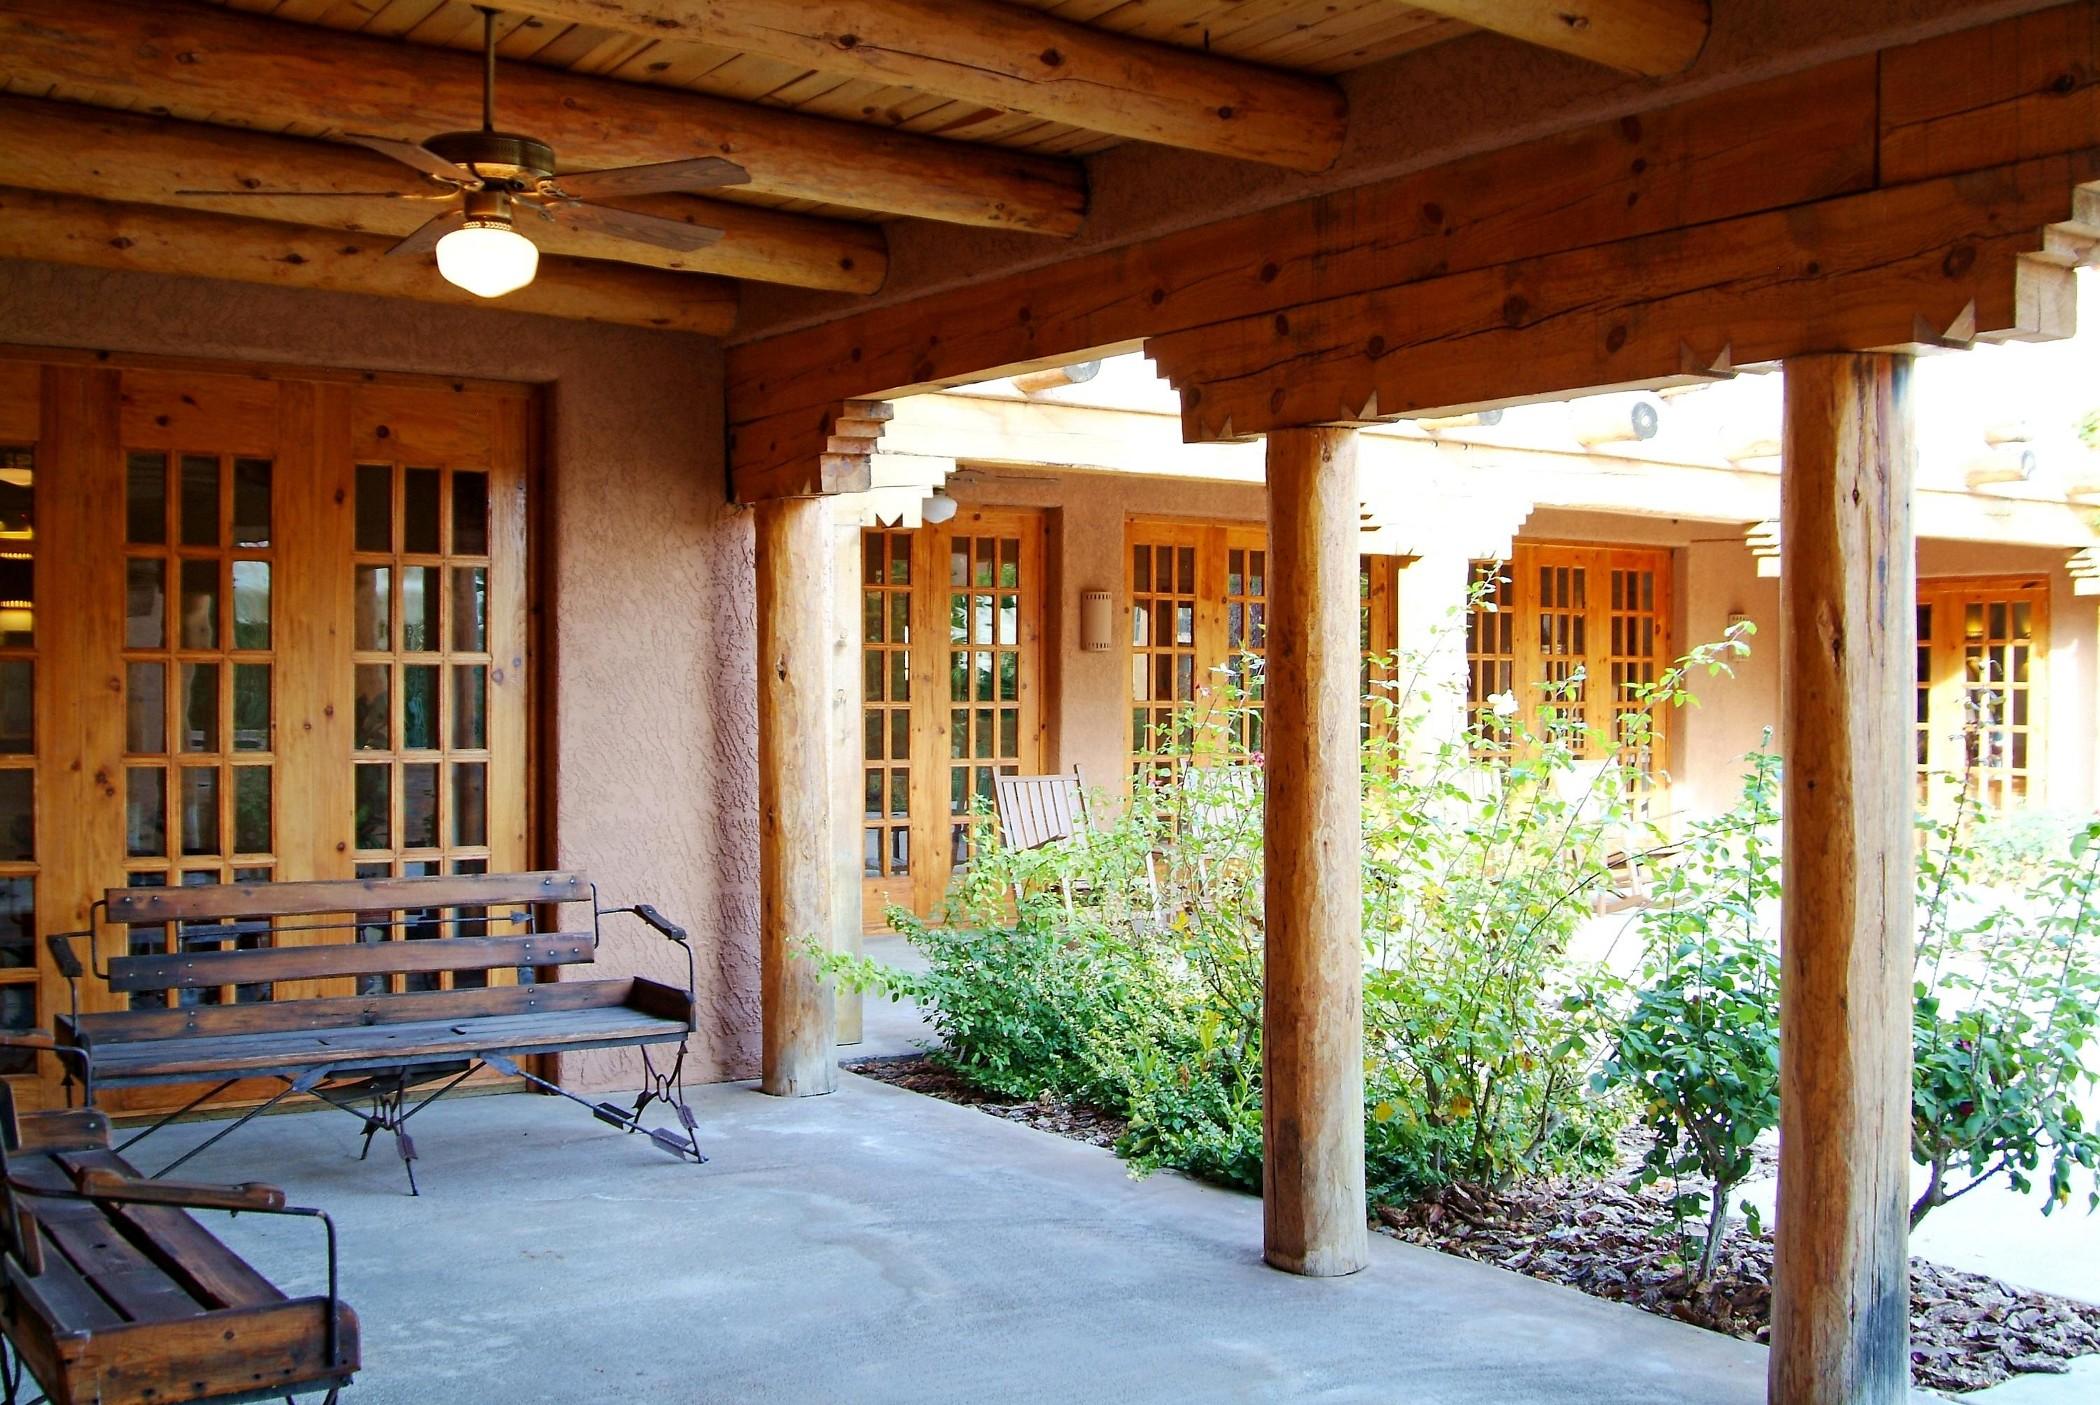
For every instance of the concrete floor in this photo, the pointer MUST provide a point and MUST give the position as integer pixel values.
(876, 1245)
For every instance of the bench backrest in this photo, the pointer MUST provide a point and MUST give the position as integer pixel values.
(319, 949)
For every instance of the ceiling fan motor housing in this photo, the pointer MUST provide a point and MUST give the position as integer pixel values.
(517, 161)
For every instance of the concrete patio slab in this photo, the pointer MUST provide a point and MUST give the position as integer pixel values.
(876, 1245)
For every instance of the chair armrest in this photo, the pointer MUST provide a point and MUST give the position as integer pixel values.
(102, 1184)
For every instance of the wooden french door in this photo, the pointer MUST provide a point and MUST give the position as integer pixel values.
(1983, 655)
(951, 628)
(255, 626)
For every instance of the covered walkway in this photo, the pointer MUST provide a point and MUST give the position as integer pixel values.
(883, 1246)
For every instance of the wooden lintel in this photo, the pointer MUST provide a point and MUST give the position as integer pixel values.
(68, 229)
(1941, 263)
(73, 149)
(1010, 57)
(1972, 101)
(147, 54)
(849, 433)
(1650, 37)
(1803, 137)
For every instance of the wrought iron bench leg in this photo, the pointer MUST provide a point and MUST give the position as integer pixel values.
(670, 1088)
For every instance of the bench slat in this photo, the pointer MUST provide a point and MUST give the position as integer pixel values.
(71, 1298)
(307, 898)
(381, 1045)
(133, 1284)
(108, 1028)
(180, 1246)
(192, 969)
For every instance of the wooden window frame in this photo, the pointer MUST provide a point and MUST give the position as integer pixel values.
(1945, 684)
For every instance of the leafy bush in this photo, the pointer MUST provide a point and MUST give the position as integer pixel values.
(1699, 1050)
(2007, 1010)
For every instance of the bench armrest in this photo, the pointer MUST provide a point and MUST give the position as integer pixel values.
(101, 1184)
(651, 916)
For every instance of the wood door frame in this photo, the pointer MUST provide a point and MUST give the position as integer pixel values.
(76, 408)
(1948, 681)
(930, 762)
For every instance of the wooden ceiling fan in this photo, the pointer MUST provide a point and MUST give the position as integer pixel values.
(492, 175)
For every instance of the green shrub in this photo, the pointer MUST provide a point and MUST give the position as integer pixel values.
(1699, 1050)
(2005, 1022)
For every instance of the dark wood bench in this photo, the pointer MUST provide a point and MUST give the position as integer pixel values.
(112, 1294)
(421, 958)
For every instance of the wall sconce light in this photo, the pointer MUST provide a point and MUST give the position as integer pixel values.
(1096, 622)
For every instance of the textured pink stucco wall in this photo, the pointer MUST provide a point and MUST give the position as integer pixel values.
(654, 759)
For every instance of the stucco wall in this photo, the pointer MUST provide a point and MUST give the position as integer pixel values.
(654, 763)
(1715, 578)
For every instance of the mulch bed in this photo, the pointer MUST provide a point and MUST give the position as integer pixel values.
(1967, 1332)
(1045, 1113)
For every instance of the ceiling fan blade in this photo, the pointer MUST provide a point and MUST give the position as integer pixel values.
(424, 237)
(642, 229)
(698, 173)
(411, 154)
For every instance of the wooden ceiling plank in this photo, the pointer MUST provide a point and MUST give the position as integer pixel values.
(71, 149)
(1001, 56)
(168, 55)
(98, 234)
(1654, 38)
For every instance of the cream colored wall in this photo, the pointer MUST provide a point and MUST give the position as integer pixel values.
(1091, 693)
(1715, 578)
(654, 768)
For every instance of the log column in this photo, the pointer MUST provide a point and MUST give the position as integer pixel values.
(797, 562)
(1841, 1299)
(1312, 973)
(843, 630)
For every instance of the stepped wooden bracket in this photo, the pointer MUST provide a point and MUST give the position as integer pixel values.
(831, 451)
(1763, 540)
(2084, 566)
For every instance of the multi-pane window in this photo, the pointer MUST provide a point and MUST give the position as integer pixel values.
(1982, 651)
(18, 782)
(1163, 646)
(886, 696)
(421, 661)
(1575, 636)
(949, 637)
(199, 664)
(986, 586)
(1199, 635)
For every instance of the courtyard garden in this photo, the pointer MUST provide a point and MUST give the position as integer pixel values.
(1571, 1017)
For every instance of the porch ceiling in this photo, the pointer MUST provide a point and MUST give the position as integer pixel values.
(971, 112)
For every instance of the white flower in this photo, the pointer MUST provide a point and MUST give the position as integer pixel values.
(1504, 704)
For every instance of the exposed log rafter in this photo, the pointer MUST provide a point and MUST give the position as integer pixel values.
(245, 68)
(99, 234)
(1005, 56)
(67, 148)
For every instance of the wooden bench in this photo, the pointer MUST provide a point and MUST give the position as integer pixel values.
(111, 1294)
(397, 943)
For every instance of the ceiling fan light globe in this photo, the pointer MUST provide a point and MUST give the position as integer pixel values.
(487, 258)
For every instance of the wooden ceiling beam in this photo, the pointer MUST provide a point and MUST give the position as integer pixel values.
(1654, 38)
(188, 58)
(98, 234)
(1986, 256)
(67, 148)
(1016, 59)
